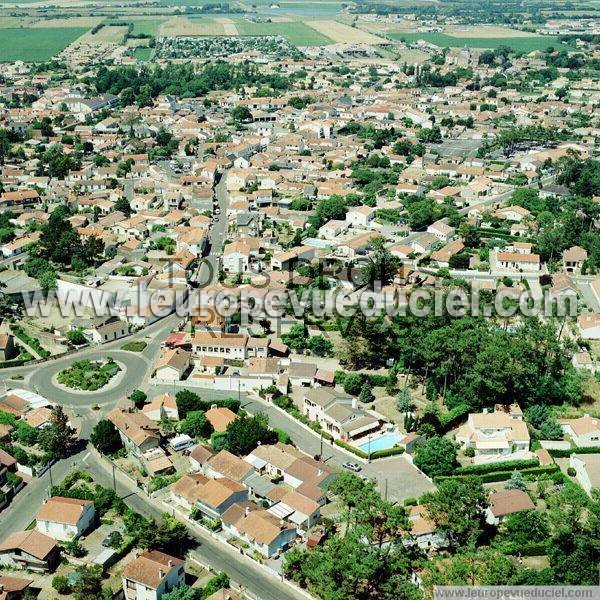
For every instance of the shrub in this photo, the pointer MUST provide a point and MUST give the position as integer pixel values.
(387, 452)
(410, 502)
(61, 584)
(566, 453)
(511, 465)
(571, 472)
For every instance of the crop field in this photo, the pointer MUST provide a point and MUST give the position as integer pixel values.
(183, 26)
(296, 33)
(525, 44)
(87, 22)
(36, 44)
(344, 34)
(109, 34)
(147, 26)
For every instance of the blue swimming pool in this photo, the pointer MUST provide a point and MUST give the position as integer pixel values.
(317, 243)
(382, 442)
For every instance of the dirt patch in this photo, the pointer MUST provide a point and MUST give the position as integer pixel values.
(182, 26)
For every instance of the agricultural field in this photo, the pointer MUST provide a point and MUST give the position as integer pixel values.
(296, 33)
(87, 22)
(344, 34)
(36, 44)
(525, 44)
(183, 26)
(147, 26)
(109, 34)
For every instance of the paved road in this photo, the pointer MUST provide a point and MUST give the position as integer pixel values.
(221, 556)
(403, 479)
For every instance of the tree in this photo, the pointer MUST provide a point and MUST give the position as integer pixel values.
(353, 383)
(381, 267)
(319, 345)
(122, 205)
(404, 401)
(88, 583)
(105, 437)
(516, 482)
(296, 338)
(196, 425)
(59, 437)
(171, 536)
(244, 434)
(187, 401)
(437, 456)
(76, 337)
(138, 397)
(366, 392)
(241, 114)
(525, 527)
(456, 508)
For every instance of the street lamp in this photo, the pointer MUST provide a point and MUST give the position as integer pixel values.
(369, 448)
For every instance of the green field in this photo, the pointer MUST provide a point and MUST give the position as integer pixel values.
(297, 34)
(147, 26)
(525, 44)
(142, 53)
(36, 45)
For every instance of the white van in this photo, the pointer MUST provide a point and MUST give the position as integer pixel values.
(181, 442)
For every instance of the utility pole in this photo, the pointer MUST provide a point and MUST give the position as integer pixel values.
(50, 471)
(114, 478)
(321, 452)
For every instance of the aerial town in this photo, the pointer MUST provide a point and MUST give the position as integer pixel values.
(298, 299)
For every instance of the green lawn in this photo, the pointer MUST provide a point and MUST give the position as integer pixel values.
(297, 34)
(525, 44)
(142, 53)
(134, 346)
(36, 45)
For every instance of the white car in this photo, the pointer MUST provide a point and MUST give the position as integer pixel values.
(352, 466)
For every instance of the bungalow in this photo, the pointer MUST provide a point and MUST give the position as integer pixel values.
(588, 324)
(65, 519)
(423, 530)
(225, 464)
(512, 213)
(286, 261)
(505, 503)
(109, 330)
(517, 261)
(220, 417)
(215, 496)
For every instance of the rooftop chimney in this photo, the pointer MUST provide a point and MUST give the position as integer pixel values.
(281, 524)
(161, 573)
(170, 563)
(213, 406)
(354, 403)
(247, 511)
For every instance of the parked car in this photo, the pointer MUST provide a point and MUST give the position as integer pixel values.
(352, 466)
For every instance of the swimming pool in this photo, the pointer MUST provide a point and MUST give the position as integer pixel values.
(382, 442)
(317, 243)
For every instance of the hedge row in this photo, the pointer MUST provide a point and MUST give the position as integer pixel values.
(18, 362)
(559, 453)
(502, 475)
(350, 448)
(377, 454)
(453, 417)
(497, 466)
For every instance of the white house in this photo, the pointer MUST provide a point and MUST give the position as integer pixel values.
(517, 261)
(65, 519)
(584, 431)
(225, 345)
(162, 407)
(442, 231)
(172, 364)
(360, 216)
(151, 575)
(588, 324)
(495, 435)
(587, 468)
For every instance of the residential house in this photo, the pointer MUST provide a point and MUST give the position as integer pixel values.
(505, 503)
(495, 435)
(173, 364)
(109, 330)
(226, 345)
(442, 231)
(162, 407)
(264, 532)
(573, 259)
(138, 433)
(423, 530)
(337, 413)
(7, 347)
(587, 469)
(29, 550)
(151, 575)
(588, 324)
(584, 431)
(65, 519)
(360, 216)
